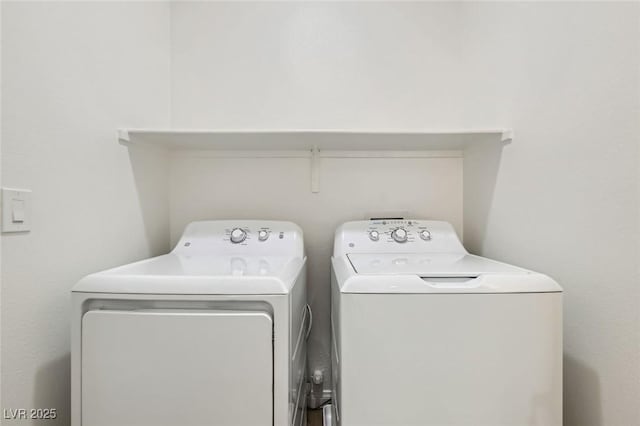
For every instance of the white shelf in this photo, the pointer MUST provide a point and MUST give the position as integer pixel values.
(308, 140)
(315, 143)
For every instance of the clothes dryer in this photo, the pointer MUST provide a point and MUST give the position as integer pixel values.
(211, 333)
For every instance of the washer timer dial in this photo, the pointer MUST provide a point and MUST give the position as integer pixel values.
(399, 235)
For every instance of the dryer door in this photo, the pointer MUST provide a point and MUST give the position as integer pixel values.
(177, 367)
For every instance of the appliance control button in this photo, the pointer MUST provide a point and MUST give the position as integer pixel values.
(374, 235)
(238, 235)
(263, 235)
(425, 235)
(399, 235)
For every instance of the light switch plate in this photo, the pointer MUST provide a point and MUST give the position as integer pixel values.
(16, 210)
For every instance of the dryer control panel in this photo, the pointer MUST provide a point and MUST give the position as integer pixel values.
(397, 236)
(246, 237)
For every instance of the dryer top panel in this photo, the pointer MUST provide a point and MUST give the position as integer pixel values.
(214, 257)
(199, 274)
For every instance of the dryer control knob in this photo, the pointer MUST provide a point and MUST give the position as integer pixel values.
(238, 235)
(425, 235)
(399, 235)
(374, 235)
(263, 235)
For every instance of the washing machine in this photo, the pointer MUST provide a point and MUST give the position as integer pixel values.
(424, 333)
(213, 333)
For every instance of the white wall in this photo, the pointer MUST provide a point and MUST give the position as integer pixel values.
(567, 78)
(314, 65)
(564, 194)
(71, 74)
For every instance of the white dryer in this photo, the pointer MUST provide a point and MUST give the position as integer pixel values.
(423, 333)
(212, 333)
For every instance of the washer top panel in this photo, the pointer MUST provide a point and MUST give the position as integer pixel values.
(429, 265)
(409, 256)
(396, 236)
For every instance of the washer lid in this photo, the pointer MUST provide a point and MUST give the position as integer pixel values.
(429, 265)
(199, 274)
(439, 273)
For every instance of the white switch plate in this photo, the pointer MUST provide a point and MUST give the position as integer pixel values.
(16, 210)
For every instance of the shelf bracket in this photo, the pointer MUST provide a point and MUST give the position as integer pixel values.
(507, 136)
(315, 169)
(123, 136)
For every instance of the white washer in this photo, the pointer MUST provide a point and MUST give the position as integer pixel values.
(212, 333)
(423, 333)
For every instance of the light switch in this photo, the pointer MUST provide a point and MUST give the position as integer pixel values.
(16, 210)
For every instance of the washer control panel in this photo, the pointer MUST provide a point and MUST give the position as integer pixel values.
(398, 231)
(396, 235)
